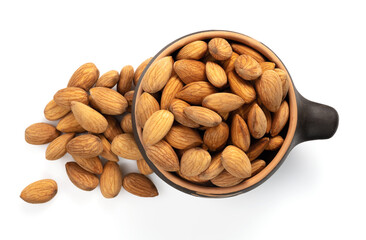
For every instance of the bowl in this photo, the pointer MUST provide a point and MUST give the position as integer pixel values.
(307, 120)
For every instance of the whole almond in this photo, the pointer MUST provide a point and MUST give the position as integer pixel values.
(157, 75)
(111, 180)
(274, 143)
(215, 137)
(108, 79)
(216, 74)
(268, 117)
(222, 102)
(214, 169)
(145, 107)
(195, 92)
(88, 118)
(57, 148)
(126, 123)
(113, 129)
(257, 148)
(140, 69)
(203, 116)
(257, 122)
(280, 119)
(84, 77)
(125, 79)
(181, 137)
(107, 152)
(85, 146)
(108, 101)
(225, 179)
(124, 145)
(173, 86)
(40, 133)
(239, 133)
(190, 70)
(129, 97)
(220, 49)
(80, 177)
(176, 107)
(194, 50)
(236, 162)
(284, 81)
(54, 112)
(267, 66)
(139, 185)
(93, 164)
(242, 88)
(69, 124)
(162, 155)
(257, 166)
(247, 67)
(269, 90)
(65, 96)
(242, 49)
(157, 126)
(143, 167)
(228, 65)
(40, 191)
(194, 161)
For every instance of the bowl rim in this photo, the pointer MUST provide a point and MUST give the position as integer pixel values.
(248, 184)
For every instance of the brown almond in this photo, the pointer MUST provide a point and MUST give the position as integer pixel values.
(247, 67)
(40, 133)
(284, 81)
(54, 112)
(194, 179)
(241, 87)
(126, 123)
(86, 146)
(84, 77)
(113, 129)
(176, 107)
(108, 101)
(236, 162)
(194, 50)
(181, 137)
(242, 49)
(220, 49)
(257, 122)
(157, 126)
(40, 191)
(225, 179)
(215, 137)
(190, 70)
(57, 148)
(224, 115)
(125, 79)
(257, 166)
(269, 90)
(69, 124)
(243, 111)
(213, 170)
(111, 180)
(195, 92)
(268, 117)
(139, 185)
(108, 79)
(257, 148)
(157, 75)
(203, 116)
(88, 118)
(274, 143)
(80, 177)
(239, 133)
(145, 107)
(93, 164)
(163, 156)
(280, 119)
(173, 86)
(129, 97)
(267, 66)
(143, 167)
(216, 74)
(194, 161)
(124, 145)
(140, 69)
(65, 96)
(107, 152)
(228, 65)
(222, 102)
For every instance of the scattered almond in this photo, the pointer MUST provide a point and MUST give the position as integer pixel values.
(40, 191)
(111, 180)
(108, 101)
(108, 79)
(65, 96)
(125, 79)
(113, 128)
(124, 145)
(139, 185)
(57, 148)
(84, 77)
(69, 124)
(88, 118)
(80, 177)
(54, 112)
(85, 146)
(143, 167)
(126, 123)
(40, 133)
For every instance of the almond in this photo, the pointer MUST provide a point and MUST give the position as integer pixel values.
(222, 102)
(216, 74)
(228, 65)
(267, 66)
(145, 107)
(194, 179)
(113, 129)
(124, 145)
(40, 191)
(280, 119)
(129, 97)
(65, 96)
(209, 58)
(203, 116)
(143, 167)
(268, 117)
(242, 88)
(190, 70)
(111, 180)
(247, 67)
(241, 49)
(284, 81)
(126, 123)
(139, 185)
(236, 162)
(84, 77)
(173, 86)
(107, 152)
(88, 118)
(140, 69)
(257, 166)
(176, 107)
(93, 164)
(269, 90)
(194, 50)
(108, 101)
(243, 111)
(195, 92)
(157, 75)
(225, 179)
(108, 79)
(157, 126)
(81, 178)
(125, 79)
(224, 115)
(57, 148)
(257, 122)
(239, 133)
(214, 169)
(257, 148)
(86, 146)
(220, 49)
(40, 133)
(274, 143)
(54, 112)
(194, 161)
(69, 124)
(162, 155)
(181, 137)
(215, 137)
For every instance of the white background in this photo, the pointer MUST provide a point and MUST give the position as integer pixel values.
(318, 193)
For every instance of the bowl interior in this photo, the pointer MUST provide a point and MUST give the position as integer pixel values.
(186, 186)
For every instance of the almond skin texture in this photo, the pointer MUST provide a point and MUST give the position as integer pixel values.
(65, 96)
(257, 166)
(41, 133)
(194, 161)
(157, 75)
(54, 112)
(274, 143)
(195, 92)
(190, 70)
(145, 107)
(241, 49)
(108, 79)
(88, 118)
(243, 111)
(113, 129)
(69, 124)
(181, 137)
(108, 101)
(111, 180)
(40, 191)
(124, 145)
(194, 179)
(162, 155)
(140, 69)
(176, 107)
(222, 102)
(213, 170)
(280, 119)
(225, 179)
(129, 97)
(269, 119)
(242, 88)
(93, 165)
(269, 90)
(85, 146)
(125, 79)
(257, 148)
(81, 178)
(247, 67)
(215, 137)
(216, 74)
(220, 49)
(267, 66)
(228, 65)
(84, 77)
(139, 185)
(157, 126)
(107, 152)
(194, 50)
(284, 81)
(236, 162)
(143, 167)
(57, 148)
(203, 116)
(257, 122)
(173, 86)
(239, 133)
(126, 123)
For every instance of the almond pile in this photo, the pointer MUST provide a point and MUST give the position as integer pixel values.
(87, 111)
(211, 112)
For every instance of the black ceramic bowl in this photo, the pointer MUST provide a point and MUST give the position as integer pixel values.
(308, 121)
